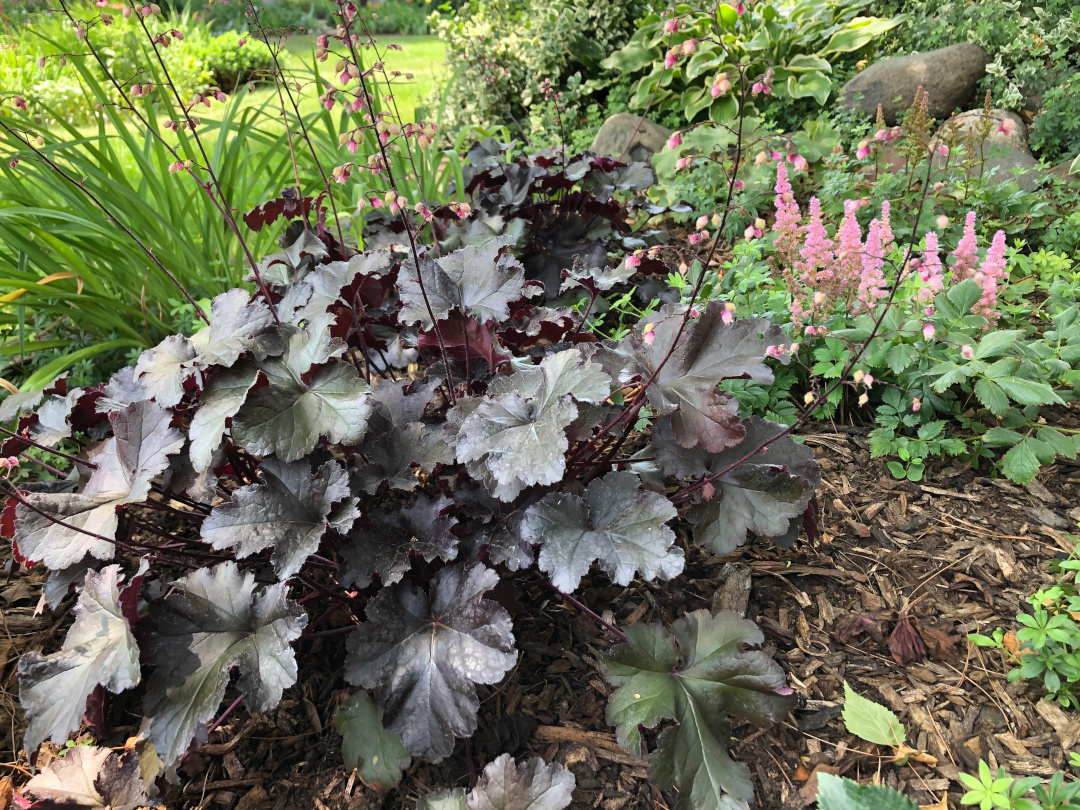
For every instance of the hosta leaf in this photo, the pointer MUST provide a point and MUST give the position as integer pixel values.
(86, 776)
(424, 650)
(698, 674)
(516, 436)
(870, 721)
(615, 522)
(291, 512)
(214, 620)
(837, 793)
(126, 464)
(763, 494)
(708, 352)
(535, 785)
(480, 282)
(397, 443)
(366, 745)
(383, 546)
(220, 401)
(98, 649)
(288, 421)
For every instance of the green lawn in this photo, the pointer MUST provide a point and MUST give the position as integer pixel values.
(424, 57)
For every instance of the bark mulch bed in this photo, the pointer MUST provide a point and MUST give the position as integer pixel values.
(958, 553)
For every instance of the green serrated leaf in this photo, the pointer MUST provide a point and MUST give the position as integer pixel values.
(901, 356)
(366, 745)
(1020, 463)
(1028, 392)
(1061, 444)
(837, 793)
(871, 721)
(992, 397)
(996, 343)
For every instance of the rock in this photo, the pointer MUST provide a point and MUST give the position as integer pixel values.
(1061, 171)
(1006, 147)
(949, 75)
(619, 130)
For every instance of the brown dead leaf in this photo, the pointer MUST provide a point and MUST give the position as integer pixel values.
(942, 805)
(939, 641)
(905, 644)
(808, 792)
(801, 774)
(905, 752)
(7, 793)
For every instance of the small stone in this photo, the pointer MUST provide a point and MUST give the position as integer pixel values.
(639, 138)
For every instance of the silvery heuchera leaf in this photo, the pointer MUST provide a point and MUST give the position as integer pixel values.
(615, 522)
(122, 389)
(516, 436)
(635, 177)
(366, 745)
(397, 442)
(290, 512)
(126, 464)
(282, 269)
(18, 404)
(535, 785)
(90, 777)
(52, 418)
(239, 323)
(598, 278)
(213, 621)
(502, 543)
(698, 674)
(221, 399)
(287, 417)
(383, 545)
(328, 280)
(708, 352)
(98, 649)
(480, 282)
(60, 581)
(763, 494)
(425, 650)
(162, 370)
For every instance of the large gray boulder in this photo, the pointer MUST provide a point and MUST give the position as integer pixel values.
(622, 129)
(1005, 149)
(949, 75)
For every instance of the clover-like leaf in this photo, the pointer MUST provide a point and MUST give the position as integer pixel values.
(215, 620)
(615, 522)
(91, 777)
(535, 785)
(291, 512)
(287, 417)
(126, 464)
(223, 396)
(698, 674)
(367, 746)
(516, 436)
(384, 545)
(480, 282)
(425, 650)
(762, 494)
(99, 649)
(702, 355)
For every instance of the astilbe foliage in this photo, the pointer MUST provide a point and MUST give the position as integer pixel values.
(302, 452)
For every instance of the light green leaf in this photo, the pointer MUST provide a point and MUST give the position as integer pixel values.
(1061, 444)
(727, 16)
(816, 85)
(870, 721)
(992, 397)
(837, 793)
(1028, 392)
(805, 62)
(858, 33)
(1020, 463)
(900, 356)
(366, 745)
(996, 343)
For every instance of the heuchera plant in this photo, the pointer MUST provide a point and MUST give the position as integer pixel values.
(303, 458)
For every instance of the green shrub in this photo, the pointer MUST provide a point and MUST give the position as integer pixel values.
(277, 15)
(1055, 135)
(408, 17)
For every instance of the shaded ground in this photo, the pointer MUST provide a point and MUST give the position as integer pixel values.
(960, 552)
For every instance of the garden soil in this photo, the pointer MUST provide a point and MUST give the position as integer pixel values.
(900, 569)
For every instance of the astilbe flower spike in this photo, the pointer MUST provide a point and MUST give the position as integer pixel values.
(931, 272)
(966, 253)
(817, 254)
(849, 249)
(787, 229)
(872, 284)
(992, 270)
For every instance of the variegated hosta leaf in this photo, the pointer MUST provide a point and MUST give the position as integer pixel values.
(383, 544)
(126, 464)
(216, 619)
(699, 675)
(614, 522)
(290, 512)
(708, 351)
(765, 494)
(516, 435)
(425, 649)
(480, 282)
(99, 649)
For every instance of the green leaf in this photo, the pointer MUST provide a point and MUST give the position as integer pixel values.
(1028, 392)
(727, 16)
(837, 793)
(816, 85)
(632, 58)
(962, 296)
(870, 721)
(1061, 444)
(900, 356)
(697, 674)
(806, 62)
(1001, 437)
(366, 745)
(1020, 463)
(996, 343)
(992, 397)
(858, 33)
(897, 470)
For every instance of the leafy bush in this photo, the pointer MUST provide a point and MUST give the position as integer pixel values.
(1055, 134)
(275, 15)
(691, 59)
(502, 54)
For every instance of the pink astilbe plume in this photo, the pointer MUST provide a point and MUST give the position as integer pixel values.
(992, 270)
(849, 262)
(817, 254)
(887, 237)
(931, 272)
(967, 252)
(872, 285)
(787, 229)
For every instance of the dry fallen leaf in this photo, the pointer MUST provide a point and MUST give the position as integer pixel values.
(801, 774)
(904, 751)
(7, 793)
(942, 805)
